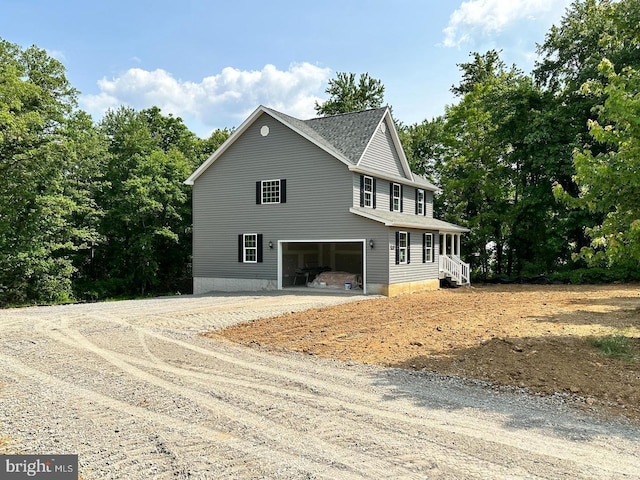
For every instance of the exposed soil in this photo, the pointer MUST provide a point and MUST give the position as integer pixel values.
(529, 336)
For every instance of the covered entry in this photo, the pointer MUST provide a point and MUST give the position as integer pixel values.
(302, 261)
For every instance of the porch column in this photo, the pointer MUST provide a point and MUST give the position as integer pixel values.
(444, 243)
(458, 245)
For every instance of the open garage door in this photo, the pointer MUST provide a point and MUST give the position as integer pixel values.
(322, 264)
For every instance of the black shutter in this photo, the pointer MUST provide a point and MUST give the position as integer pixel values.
(362, 190)
(283, 191)
(391, 197)
(424, 248)
(374, 193)
(259, 245)
(397, 248)
(401, 196)
(417, 200)
(240, 249)
(258, 193)
(408, 246)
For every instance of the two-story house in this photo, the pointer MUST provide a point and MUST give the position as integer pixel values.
(283, 199)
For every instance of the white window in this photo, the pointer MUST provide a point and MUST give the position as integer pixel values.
(428, 248)
(397, 194)
(271, 191)
(367, 191)
(402, 247)
(419, 202)
(250, 247)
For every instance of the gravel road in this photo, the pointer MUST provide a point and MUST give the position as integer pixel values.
(135, 391)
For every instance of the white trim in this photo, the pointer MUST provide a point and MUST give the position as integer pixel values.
(430, 248)
(398, 198)
(411, 221)
(262, 202)
(364, 192)
(340, 240)
(223, 148)
(245, 248)
(421, 204)
(400, 248)
(372, 172)
(245, 126)
(396, 142)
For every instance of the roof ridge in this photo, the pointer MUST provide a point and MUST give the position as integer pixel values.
(345, 113)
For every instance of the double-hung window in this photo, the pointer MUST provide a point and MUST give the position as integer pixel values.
(367, 191)
(427, 248)
(271, 191)
(396, 197)
(402, 247)
(250, 248)
(420, 207)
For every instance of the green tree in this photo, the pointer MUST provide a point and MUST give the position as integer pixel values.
(147, 213)
(609, 180)
(347, 95)
(40, 221)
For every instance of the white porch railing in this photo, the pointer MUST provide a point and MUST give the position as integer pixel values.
(453, 267)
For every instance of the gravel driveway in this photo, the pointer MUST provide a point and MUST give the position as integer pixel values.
(134, 391)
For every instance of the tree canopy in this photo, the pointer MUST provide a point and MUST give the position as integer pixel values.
(346, 95)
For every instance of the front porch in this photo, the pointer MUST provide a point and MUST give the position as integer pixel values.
(451, 266)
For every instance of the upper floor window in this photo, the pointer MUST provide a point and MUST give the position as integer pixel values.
(396, 197)
(271, 191)
(420, 207)
(367, 191)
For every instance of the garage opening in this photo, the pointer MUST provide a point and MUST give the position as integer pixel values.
(333, 264)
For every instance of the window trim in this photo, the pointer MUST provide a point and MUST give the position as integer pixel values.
(367, 194)
(402, 249)
(243, 249)
(266, 196)
(421, 207)
(246, 249)
(427, 247)
(282, 191)
(395, 197)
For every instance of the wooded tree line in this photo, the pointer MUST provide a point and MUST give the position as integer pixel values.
(543, 167)
(88, 210)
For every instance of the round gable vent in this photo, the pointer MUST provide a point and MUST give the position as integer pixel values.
(264, 131)
(383, 127)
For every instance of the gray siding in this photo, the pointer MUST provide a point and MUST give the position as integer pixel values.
(416, 270)
(381, 154)
(319, 194)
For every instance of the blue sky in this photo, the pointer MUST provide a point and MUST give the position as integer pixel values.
(212, 63)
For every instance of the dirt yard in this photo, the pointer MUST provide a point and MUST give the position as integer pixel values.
(528, 336)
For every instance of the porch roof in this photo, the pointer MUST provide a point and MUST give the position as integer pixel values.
(405, 220)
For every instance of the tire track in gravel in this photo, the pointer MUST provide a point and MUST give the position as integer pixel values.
(359, 464)
(218, 410)
(539, 446)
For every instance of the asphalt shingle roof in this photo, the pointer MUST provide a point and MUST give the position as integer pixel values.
(349, 132)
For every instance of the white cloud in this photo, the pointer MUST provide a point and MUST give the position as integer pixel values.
(493, 16)
(221, 100)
